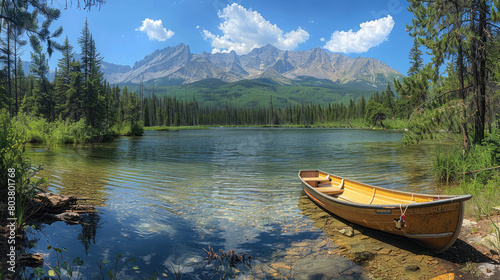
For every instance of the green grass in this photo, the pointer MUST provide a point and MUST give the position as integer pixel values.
(452, 163)
(356, 123)
(484, 195)
(39, 130)
(360, 123)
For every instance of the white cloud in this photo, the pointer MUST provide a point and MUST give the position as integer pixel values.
(371, 34)
(322, 39)
(244, 30)
(155, 30)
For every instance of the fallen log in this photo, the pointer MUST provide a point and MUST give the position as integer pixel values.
(480, 170)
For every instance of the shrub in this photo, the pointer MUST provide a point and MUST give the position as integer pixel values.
(452, 161)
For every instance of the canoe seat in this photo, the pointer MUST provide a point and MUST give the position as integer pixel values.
(317, 179)
(330, 190)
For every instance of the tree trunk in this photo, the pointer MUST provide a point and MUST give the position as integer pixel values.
(463, 125)
(480, 77)
(9, 72)
(380, 119)
(462, 95)
(16, 109)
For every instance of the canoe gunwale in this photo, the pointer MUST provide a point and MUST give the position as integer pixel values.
(452, 199)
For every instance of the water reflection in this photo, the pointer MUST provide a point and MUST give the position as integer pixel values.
(90, 224)
(166, 196)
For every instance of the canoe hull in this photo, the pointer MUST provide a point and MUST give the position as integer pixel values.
(435, 225)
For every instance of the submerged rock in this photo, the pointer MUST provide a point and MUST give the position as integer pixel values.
(412, 267)
(326, 268)
(363, 256)
(384, 251)
(347, 231)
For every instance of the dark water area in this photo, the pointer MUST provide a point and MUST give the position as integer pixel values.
(165, 197)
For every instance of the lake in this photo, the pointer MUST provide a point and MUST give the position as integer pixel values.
(165, 197)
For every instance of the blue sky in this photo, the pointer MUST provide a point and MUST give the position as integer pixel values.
(125, 31)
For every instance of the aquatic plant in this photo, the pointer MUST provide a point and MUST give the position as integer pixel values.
(225, 262)
(230, 256)
(118, 266)
(62, 269)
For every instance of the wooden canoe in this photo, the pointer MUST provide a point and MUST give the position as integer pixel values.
(433, 221)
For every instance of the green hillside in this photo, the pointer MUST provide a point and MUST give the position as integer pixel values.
(256, 93)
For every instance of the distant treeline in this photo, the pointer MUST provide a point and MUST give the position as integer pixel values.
(170, 111)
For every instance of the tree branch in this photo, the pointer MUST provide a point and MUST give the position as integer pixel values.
(477, 171)
(450, 91)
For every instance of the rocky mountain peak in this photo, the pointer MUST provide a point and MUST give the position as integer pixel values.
(179, 64)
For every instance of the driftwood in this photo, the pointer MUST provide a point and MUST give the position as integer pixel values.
(30, 260)
(349, 123)
(480, 170)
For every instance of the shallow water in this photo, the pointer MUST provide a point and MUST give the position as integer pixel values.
(166, 196)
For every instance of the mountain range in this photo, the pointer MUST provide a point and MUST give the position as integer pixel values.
(177, 65)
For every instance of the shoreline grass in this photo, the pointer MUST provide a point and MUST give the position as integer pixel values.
(469, 172)
(354, 124)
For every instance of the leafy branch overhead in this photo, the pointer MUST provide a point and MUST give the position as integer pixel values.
(24, 15)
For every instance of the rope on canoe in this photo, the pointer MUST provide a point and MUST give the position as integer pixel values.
(402, 218)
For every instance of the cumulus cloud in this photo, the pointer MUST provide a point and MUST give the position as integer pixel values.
(244, 30)
(371, 34)
(155, 30)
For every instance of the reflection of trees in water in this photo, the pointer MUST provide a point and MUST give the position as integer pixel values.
(90, 223)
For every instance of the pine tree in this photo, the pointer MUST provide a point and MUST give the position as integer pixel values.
(94, 101)
(460, 30)
(75, 99)
(95, 88)
(63, 78)
(389, 100)
(376, 112)
(361, 107)
(44, 103)
(416, 59)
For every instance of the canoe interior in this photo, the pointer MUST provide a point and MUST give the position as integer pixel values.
(355, 192)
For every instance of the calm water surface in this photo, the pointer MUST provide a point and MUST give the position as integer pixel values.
(166, 196)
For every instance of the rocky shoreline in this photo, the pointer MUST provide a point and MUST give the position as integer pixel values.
(45, 208)
(352, 252)
(385, 256)
(347, 252)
